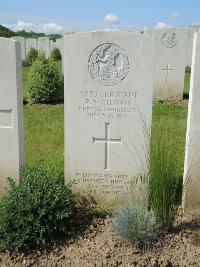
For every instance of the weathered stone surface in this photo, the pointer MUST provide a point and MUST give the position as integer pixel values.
(191, 199)
(108, 110)
(11, 111)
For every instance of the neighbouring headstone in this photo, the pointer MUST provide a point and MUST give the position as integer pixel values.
(170, 59)
(52, 45)
(31, 43)
(22, 40)
(44, 45)
(191, 197)
(59, 45)
(108, 111)
(11, 111)
(189, 45)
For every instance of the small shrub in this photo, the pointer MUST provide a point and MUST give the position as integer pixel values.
(31, 56)
(33, 212)
(55, 54)
(136, 225)
(187, 69)
(45, 81)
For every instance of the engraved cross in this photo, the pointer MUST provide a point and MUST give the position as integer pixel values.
(167, 70)
(107, 140)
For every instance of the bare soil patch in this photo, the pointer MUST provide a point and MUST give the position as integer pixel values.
(92, 244)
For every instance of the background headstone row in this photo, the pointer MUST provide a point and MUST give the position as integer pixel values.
(41, 43)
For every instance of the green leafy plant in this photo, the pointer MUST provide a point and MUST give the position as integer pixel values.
(55, 54)
(137, 225)
(45, 81)
(165, 182)
(33, 212)
(31, 56)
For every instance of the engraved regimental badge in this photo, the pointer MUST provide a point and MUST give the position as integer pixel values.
(170, 39)
(108, 64)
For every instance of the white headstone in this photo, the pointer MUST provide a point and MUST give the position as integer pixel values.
(108, 110)
(23, 45)
(11, 111)
(59, 45)
(191, 199)
(31, 43)
(169, 63)
(52, 45)
(149, 31)
(189, 45)
(44, 45)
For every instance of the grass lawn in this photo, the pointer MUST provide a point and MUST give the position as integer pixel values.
(172, 119)
(44, 130)
(44, 136)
